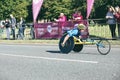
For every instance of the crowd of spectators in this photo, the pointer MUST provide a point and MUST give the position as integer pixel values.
(113, 17)
(10, 24)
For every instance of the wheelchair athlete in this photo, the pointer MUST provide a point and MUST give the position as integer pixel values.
(76, 31)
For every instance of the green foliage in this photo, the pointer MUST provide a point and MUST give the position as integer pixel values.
(51, 8)
(16, 7)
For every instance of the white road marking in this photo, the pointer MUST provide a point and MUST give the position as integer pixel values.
(48, 58)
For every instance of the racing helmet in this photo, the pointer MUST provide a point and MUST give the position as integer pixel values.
(81, 26)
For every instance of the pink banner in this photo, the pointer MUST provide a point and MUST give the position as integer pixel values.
(53, 30)
(89, 7)
(36, 8)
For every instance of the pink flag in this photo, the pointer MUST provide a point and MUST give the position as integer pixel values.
(89, 7)
(36, 8)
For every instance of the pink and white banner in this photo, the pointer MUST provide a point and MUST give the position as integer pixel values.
(55, 30)
(89, 7)
(36, 6)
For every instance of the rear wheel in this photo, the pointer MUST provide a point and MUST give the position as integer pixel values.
(78, 47)
(69, 45)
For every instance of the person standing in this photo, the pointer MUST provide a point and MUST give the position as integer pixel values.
(13, 25)
(117, 16)
(21, 28)
(112, 22)
(78, 18)
(7, 25)
(75, 15)
(62, 21)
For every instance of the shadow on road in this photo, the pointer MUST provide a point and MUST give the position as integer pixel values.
(57, 52)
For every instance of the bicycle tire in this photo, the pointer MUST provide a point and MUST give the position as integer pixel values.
(103, 47)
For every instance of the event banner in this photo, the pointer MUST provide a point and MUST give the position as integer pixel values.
(46, 30)
(49, 30)
(36, 6)
(55, 30)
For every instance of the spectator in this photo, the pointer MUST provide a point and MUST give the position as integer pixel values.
(117, 16)
(62, 21)
(78, 18)
(21, 28)
(111, 21)
(13, 24)
(75, 15)
(7, 25)
(2, 25)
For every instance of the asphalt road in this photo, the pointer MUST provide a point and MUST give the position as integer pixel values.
(45, 62)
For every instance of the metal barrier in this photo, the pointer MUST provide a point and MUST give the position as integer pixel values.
(100, 28)
(28, 33)
(97, 28)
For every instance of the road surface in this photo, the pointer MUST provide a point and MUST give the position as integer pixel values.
(45, 62)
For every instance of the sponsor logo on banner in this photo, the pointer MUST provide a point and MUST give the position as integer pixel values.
(54, 31)
(49, 28)
(40, 31)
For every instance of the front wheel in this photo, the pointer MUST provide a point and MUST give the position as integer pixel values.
(103, 47)
(69, 45)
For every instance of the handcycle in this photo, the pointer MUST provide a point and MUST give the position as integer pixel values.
(76, 44)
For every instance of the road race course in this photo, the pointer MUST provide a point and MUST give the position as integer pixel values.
(45, 62)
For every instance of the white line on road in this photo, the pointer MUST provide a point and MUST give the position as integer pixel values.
(48, 58)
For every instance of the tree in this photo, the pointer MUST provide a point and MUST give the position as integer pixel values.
(16, 7)
(51, 8)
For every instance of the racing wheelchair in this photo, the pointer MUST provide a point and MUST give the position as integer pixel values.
(76, 44)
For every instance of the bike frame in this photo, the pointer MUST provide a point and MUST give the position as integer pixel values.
(85, 42)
